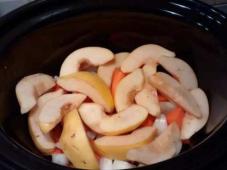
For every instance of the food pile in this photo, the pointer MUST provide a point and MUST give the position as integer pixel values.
(114, 111)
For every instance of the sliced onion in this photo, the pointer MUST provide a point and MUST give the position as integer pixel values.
(60, 159)
(105, 164)
(117, 164)
(160, 123)
(141, 165)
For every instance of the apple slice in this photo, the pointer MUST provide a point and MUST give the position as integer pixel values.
(181, 70)
(148, 98)
(42, 141)
(191, 124)
(116, 147)
(127, 89)
(164, 147)
(156, 54)
(95, 56)
(90, 84)
(94, 117)
(144, 54)
(150, 69)
(30, 88)
(175, 91)
(75, 144)
(52, 112)
(106, 71)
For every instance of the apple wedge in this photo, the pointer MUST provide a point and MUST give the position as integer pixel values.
(181, 70)
(160, 124)
(127, 89)
(91, 85)
(75, 143)
(148, 98)
(191, 124)
(42, 141)
(30, 88)
(164, 147)
(94, 117)
(156, 54)
(116, 147)
(150, 69)
(176, 92)
(95, 56)
(106, 71)
(52, 112)
(144, 54)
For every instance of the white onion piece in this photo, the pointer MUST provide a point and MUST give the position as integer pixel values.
(141, 165)
(117, 164)
(160, 123)
(105, 164)
(60, 159)
(91, 135)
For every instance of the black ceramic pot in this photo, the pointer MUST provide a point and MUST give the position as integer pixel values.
(38, 36)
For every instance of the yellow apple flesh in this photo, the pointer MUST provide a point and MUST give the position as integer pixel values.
(91, 85)
(75, 143)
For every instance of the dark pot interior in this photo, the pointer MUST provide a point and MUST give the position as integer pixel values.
(39, 43)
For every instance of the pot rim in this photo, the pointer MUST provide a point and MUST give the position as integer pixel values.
(23, 15)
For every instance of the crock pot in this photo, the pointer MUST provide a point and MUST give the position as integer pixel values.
(37, 37)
